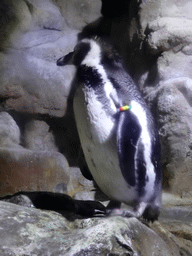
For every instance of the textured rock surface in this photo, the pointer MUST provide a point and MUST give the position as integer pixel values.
(38, 137)
(9, 131)
(155, 39)
(81, 188)
(32, 84)
(170, 35)
(26, 170)
(34, 91)
(34, 232)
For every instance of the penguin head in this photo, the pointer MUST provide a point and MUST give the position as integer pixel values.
(76, 57)
(91, 52)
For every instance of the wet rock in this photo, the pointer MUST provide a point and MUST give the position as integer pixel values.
(182, 234)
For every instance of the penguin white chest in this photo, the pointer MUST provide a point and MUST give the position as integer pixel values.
(92, 117)
(96, 130)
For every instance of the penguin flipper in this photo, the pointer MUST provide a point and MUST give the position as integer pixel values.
(128, 133)
(83, 166)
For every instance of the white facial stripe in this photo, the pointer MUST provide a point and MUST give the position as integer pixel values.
(93, 59)
(138, 110)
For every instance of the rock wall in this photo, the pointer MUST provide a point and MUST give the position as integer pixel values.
(39, 145)
(154, 37)
(37, 130)
(36, 118)
(167, 84)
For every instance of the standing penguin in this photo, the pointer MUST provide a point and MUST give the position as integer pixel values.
(116, 130)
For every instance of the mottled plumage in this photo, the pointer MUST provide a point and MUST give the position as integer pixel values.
(121, 148)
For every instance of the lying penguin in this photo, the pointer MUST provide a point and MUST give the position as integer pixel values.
(116, 129)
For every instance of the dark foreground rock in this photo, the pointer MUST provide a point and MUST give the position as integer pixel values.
(155, 41)
(29, 231)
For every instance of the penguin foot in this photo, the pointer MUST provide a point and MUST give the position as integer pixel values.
(148, 212)
(123, 213)
(137, 212)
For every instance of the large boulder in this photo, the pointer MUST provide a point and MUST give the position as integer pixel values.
(38, 168)
(167, 85)
(9, 131)
(34, 92)
(34, 35)
(26, 170)
(38, 136)
(155, 39)
(34, 232)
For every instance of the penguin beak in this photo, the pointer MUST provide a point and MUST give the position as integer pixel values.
(66, 60)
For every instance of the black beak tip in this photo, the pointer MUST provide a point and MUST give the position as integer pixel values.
(66, 60)
(60, 62)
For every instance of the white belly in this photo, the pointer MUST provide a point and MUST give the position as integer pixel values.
(98, 139)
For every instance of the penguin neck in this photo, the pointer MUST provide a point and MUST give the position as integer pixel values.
(90, 77)
(97, 80)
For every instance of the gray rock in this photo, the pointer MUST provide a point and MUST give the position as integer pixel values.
(38, 137)
(79, 13)
(179, 232)
(9, 131)
(31, 81)
(45, 15)
(81, 188)
(155, 39)
(176, 218)
(78, 183)
(162, 69)
(15, 20)
(33, 232)
(19, 199)
(33, 85)
(168, 35)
